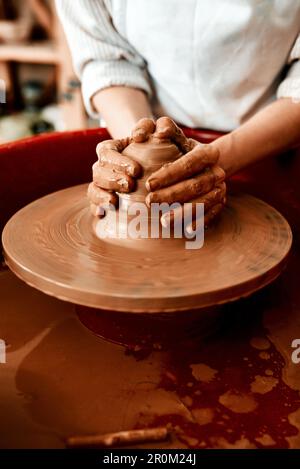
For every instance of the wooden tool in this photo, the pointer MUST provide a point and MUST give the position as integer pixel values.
(112, 440)
(51, 246)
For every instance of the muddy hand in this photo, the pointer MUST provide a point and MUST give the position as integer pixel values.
(114, 172)
(195, 177)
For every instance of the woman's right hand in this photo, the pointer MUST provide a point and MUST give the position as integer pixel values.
(114, 172)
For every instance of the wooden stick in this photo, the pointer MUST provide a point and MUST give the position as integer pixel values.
(111, 440)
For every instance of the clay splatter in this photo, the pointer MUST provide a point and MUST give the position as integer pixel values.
(203, 416)
(204, 373)
(263, 384)
(265, 440)
(260, 343)
(239, 403)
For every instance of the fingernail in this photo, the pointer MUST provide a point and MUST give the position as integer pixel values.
(151, 184)
(149, 199)
(100, 212)
(124, 183)
(165, 220)
(139, 133)
(163, 130)
(189, 229)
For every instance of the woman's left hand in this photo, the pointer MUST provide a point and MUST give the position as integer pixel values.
(195, 177)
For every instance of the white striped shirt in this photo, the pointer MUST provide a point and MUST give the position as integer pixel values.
(205, 63)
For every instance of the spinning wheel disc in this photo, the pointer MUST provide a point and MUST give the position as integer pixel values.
(51, 245)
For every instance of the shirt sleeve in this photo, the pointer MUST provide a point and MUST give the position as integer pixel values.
(290, 86)
(101, 56)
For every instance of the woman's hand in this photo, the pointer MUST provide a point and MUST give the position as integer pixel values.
(114, 172)
(195, 177)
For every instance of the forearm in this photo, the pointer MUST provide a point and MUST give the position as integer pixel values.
(121, 107)
(271, 131)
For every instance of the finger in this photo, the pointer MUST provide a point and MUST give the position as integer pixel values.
(97, 211)
(209, 217)
(188, 165)
(212, 214)
(115, 145)
(189, 189)
(109, 156)
(215, 196)
(166, 128)
(119, 162)
(101, 197)
(143, 129)
(112, 180)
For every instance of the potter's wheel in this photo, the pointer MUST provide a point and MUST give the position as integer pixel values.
(50, 244)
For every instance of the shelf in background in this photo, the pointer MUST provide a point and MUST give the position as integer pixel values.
(38, 52)
(52, 51)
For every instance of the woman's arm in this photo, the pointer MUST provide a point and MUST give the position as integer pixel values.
(121, 107)
(271, 131)
(106, 64)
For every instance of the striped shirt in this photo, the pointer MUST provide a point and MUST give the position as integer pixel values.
(204, 63)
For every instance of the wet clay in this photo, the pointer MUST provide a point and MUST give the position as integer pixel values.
(203, 416)
(260, 343)
(50, 245)
(265, 440)
(263, 384)
(144, 333)
(203, 372)
(60, 380)
(238, 403)
(151, 155)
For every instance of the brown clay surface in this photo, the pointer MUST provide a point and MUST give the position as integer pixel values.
(50, 244)
(151, 155)
(60, 380)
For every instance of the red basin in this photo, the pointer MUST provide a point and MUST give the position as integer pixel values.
(68, 380)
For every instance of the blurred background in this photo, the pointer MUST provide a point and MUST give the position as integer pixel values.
(37, 81)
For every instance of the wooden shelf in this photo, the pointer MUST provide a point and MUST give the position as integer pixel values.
(38, 52)
(52, 51)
